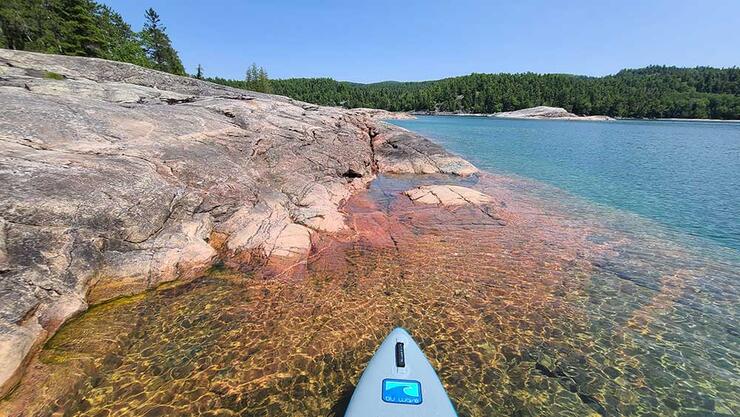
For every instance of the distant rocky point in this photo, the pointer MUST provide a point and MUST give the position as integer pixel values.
(546, 112)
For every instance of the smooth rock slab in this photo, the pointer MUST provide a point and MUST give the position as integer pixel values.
(447, 195)
(118, 178)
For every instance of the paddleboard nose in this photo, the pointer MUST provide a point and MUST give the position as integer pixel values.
(398, 382)
(398, 332)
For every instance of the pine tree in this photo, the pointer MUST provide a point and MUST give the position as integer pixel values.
(251, 75)
(256, 79)
(263, 82)
(199, 72)
(154, 38)
(158, 46)
(80, 33)
(18, 27)
(121, 43)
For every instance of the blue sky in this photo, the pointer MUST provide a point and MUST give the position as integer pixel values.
(367, 41)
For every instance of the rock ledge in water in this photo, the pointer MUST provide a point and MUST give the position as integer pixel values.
(447, 195)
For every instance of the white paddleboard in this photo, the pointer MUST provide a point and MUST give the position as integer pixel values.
(399, 382)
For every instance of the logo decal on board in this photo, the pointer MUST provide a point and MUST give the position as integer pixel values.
(402, 391)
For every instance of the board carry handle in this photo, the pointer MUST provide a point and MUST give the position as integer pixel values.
(400, 355)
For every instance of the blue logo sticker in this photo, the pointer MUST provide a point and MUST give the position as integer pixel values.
(402, 391)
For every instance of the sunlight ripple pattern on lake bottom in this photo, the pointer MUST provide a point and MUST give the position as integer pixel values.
(549, 307)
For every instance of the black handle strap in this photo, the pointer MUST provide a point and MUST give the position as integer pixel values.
(400, 356)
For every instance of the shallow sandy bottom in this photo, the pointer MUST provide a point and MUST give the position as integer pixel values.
(540, 305)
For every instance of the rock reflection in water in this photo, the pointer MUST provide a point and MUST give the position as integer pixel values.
(532, 307)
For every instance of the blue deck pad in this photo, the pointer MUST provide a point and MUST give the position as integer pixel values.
(402, 391)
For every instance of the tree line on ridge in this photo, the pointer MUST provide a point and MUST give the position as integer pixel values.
(651, 92)
(88, 28)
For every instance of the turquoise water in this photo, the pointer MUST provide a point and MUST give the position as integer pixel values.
(684, 175)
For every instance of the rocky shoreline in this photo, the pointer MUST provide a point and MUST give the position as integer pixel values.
(233, 344)
(118, 179)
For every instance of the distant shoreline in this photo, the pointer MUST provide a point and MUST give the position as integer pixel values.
(493, 115)
(676, 119)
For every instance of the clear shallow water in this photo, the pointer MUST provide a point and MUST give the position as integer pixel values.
(551, 306)
(685, 175)
(544, 304)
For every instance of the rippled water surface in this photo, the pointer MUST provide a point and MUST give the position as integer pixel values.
(682, 174)
(544, 304)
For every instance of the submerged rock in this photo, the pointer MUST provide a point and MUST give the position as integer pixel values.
(447, 195)
(546, 112)
(118, 178)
